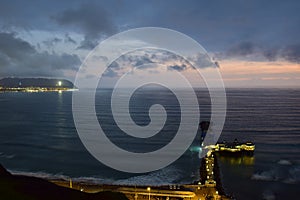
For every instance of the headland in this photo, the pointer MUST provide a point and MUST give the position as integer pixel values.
(35, 85)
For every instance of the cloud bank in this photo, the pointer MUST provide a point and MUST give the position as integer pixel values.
(19, 58)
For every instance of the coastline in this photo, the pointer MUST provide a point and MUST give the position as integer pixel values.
(25, 187)
(43, 188)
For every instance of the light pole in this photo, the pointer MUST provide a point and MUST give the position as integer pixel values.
(135, 194)
(149, 190)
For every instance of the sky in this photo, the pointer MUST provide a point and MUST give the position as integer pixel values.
(253, 43)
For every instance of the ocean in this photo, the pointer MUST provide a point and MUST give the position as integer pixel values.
(38, 137)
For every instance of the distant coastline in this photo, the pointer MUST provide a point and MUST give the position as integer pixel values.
(35, 85)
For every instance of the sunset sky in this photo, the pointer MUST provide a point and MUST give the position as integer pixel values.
(255, 43)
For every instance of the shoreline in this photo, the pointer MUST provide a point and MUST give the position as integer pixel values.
(88, 190)
(19, 187)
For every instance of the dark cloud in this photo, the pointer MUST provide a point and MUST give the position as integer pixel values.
(110, 73)
(112, 70)
(13, 47)
(91, 19)
(271, 54)
(219, 24)
(88, 43)
(137, 60)
(152, 59)
(115, 65)
(69, 39)
(254, 52)
(241, 49)
(51, 42)
(202, 61)
(19, 58)
(215, 24)
(140, 60)
(177, 67)
(217, 64)
(292, 53)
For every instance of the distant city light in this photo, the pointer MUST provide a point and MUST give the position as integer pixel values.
(59, 83)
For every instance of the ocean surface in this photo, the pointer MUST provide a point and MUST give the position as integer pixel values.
(38, 137)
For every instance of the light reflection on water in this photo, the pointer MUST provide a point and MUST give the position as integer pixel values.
(237, 160)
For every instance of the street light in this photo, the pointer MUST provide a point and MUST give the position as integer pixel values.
(149, 189)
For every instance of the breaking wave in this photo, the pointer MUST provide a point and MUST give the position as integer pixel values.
(166, 176)
(269, 195)
(285, 172)
(284, 162)
(7, 156)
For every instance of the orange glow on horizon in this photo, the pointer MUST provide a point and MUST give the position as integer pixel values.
(259, 74)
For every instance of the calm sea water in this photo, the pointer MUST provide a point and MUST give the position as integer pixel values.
(38, 137)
